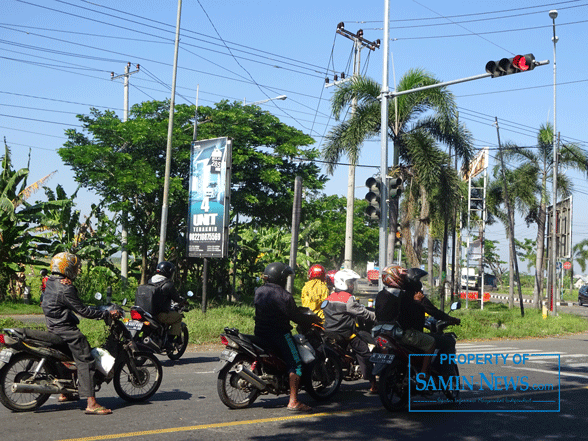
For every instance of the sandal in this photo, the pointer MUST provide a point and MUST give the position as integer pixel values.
(300, 407)
(67, 397)
(101, 410)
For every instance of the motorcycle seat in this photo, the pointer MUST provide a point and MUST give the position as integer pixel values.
(44, 336)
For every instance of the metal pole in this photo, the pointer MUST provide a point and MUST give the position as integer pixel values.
(553, 275)
(384, 145)
(170, 128)
(296, 208)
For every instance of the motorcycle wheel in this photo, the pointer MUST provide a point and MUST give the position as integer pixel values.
(324, 378)
(138, 388)
(233, 391)
(180, 348)
(391, 388)
(21, 367)
(453, 395)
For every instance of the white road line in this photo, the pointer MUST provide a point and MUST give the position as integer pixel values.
(563, 373)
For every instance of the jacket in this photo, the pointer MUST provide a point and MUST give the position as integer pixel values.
(274, 309)
(388, 304)
(165, 294)
(342, 312)
(61, 300)
(314, 293)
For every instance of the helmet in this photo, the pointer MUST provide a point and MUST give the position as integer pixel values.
(277, 272)
(413, 279)
(43, 272)
(394, 276)
(66, 264)
(344, 280)
(166, 269)
(330, 279)
(316, 272)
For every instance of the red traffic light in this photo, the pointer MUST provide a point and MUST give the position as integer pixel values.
(507, 66)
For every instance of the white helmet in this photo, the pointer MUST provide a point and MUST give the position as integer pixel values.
(345, 280)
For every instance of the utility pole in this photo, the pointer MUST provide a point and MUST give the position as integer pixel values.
(358, 44)
(124, 259)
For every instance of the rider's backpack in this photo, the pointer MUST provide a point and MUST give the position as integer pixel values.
(147, 297)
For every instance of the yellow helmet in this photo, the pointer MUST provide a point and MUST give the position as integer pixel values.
(66, 264)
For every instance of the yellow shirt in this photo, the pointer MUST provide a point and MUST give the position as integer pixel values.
(314, 293)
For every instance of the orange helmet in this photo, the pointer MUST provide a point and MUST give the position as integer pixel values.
(316, 272)
(66, 264)
(331, 278)
(394, 276)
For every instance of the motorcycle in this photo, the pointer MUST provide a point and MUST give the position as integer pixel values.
(250, 370)
(36, 364)
(391, 363)
(146, 330)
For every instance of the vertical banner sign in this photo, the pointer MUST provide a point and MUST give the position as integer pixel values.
(210, 188)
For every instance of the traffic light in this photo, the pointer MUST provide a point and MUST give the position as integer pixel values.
(394, 187)
(398, 238)
(373, 197)
(507, 66)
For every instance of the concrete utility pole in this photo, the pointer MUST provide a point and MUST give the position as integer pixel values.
(170, 129)
(383, 254)
(358, 44)
(552, 280)
(124, 259)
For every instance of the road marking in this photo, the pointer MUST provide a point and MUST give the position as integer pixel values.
(545, 371)
(220, 425)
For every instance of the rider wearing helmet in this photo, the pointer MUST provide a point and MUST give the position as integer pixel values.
(165, 293)
(342, 311)
(60, 301)
(331, 280)
(315, 291)
(274, 309)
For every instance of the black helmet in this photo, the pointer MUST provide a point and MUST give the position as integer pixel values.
(166, 269)
(413, 279)
(277, 272)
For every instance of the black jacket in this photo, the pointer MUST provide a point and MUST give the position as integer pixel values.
(61, 300)
(274, 309)
(165, 294)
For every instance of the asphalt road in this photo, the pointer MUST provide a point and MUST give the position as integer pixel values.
(187, 407)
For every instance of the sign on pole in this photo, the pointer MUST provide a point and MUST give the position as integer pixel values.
(210, 186)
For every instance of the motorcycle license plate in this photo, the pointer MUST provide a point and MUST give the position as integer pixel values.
(382, 358)
(228, 355)
(5, 355)
(134, 325)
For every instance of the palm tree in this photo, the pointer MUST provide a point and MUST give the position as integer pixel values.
(417, 122)
(540, 158)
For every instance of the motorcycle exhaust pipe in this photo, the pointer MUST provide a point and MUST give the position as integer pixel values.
(148, 341)
(37, 388)
(250, 377)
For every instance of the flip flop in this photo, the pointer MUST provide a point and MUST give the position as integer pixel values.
(66, 398)
(98, 411)
(300, 407)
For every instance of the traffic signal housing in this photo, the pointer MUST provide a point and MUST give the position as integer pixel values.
(398, 238)
(507, 66)
(373, 197)
(394, 187)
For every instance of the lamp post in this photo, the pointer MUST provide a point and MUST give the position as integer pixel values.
(281, 97)
(553, 272)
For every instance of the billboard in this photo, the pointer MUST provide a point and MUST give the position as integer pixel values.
(478, 164)
(208, 210)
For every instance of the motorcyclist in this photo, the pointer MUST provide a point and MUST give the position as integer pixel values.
(331, 280)
(44, 277)
(315, 291)
(60, 301)
(274, 309)
(165, 293)
(342, 311)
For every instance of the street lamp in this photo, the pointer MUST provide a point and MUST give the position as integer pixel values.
(281, 97)
(553, 274)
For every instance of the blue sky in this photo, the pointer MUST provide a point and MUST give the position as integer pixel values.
(56, 57)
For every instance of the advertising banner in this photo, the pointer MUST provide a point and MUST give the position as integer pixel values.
(208, 211)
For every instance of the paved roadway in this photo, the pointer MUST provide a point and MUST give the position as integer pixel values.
(187, 407)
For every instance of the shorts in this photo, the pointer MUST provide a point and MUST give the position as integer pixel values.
(425, 342)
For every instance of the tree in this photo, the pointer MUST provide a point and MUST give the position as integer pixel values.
(417, 122)
(540, 158)
(124, 163)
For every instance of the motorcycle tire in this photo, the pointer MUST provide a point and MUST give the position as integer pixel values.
(21, 367)
(233, 391)
(393, 387)
(324, 376)
(132, 388)
(180, 348)
(453, 395)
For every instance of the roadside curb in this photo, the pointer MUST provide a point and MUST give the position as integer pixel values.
(527, 300)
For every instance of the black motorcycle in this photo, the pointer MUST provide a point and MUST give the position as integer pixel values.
(35, 364)
(146, 330)
(250, 370)
(391, 363)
